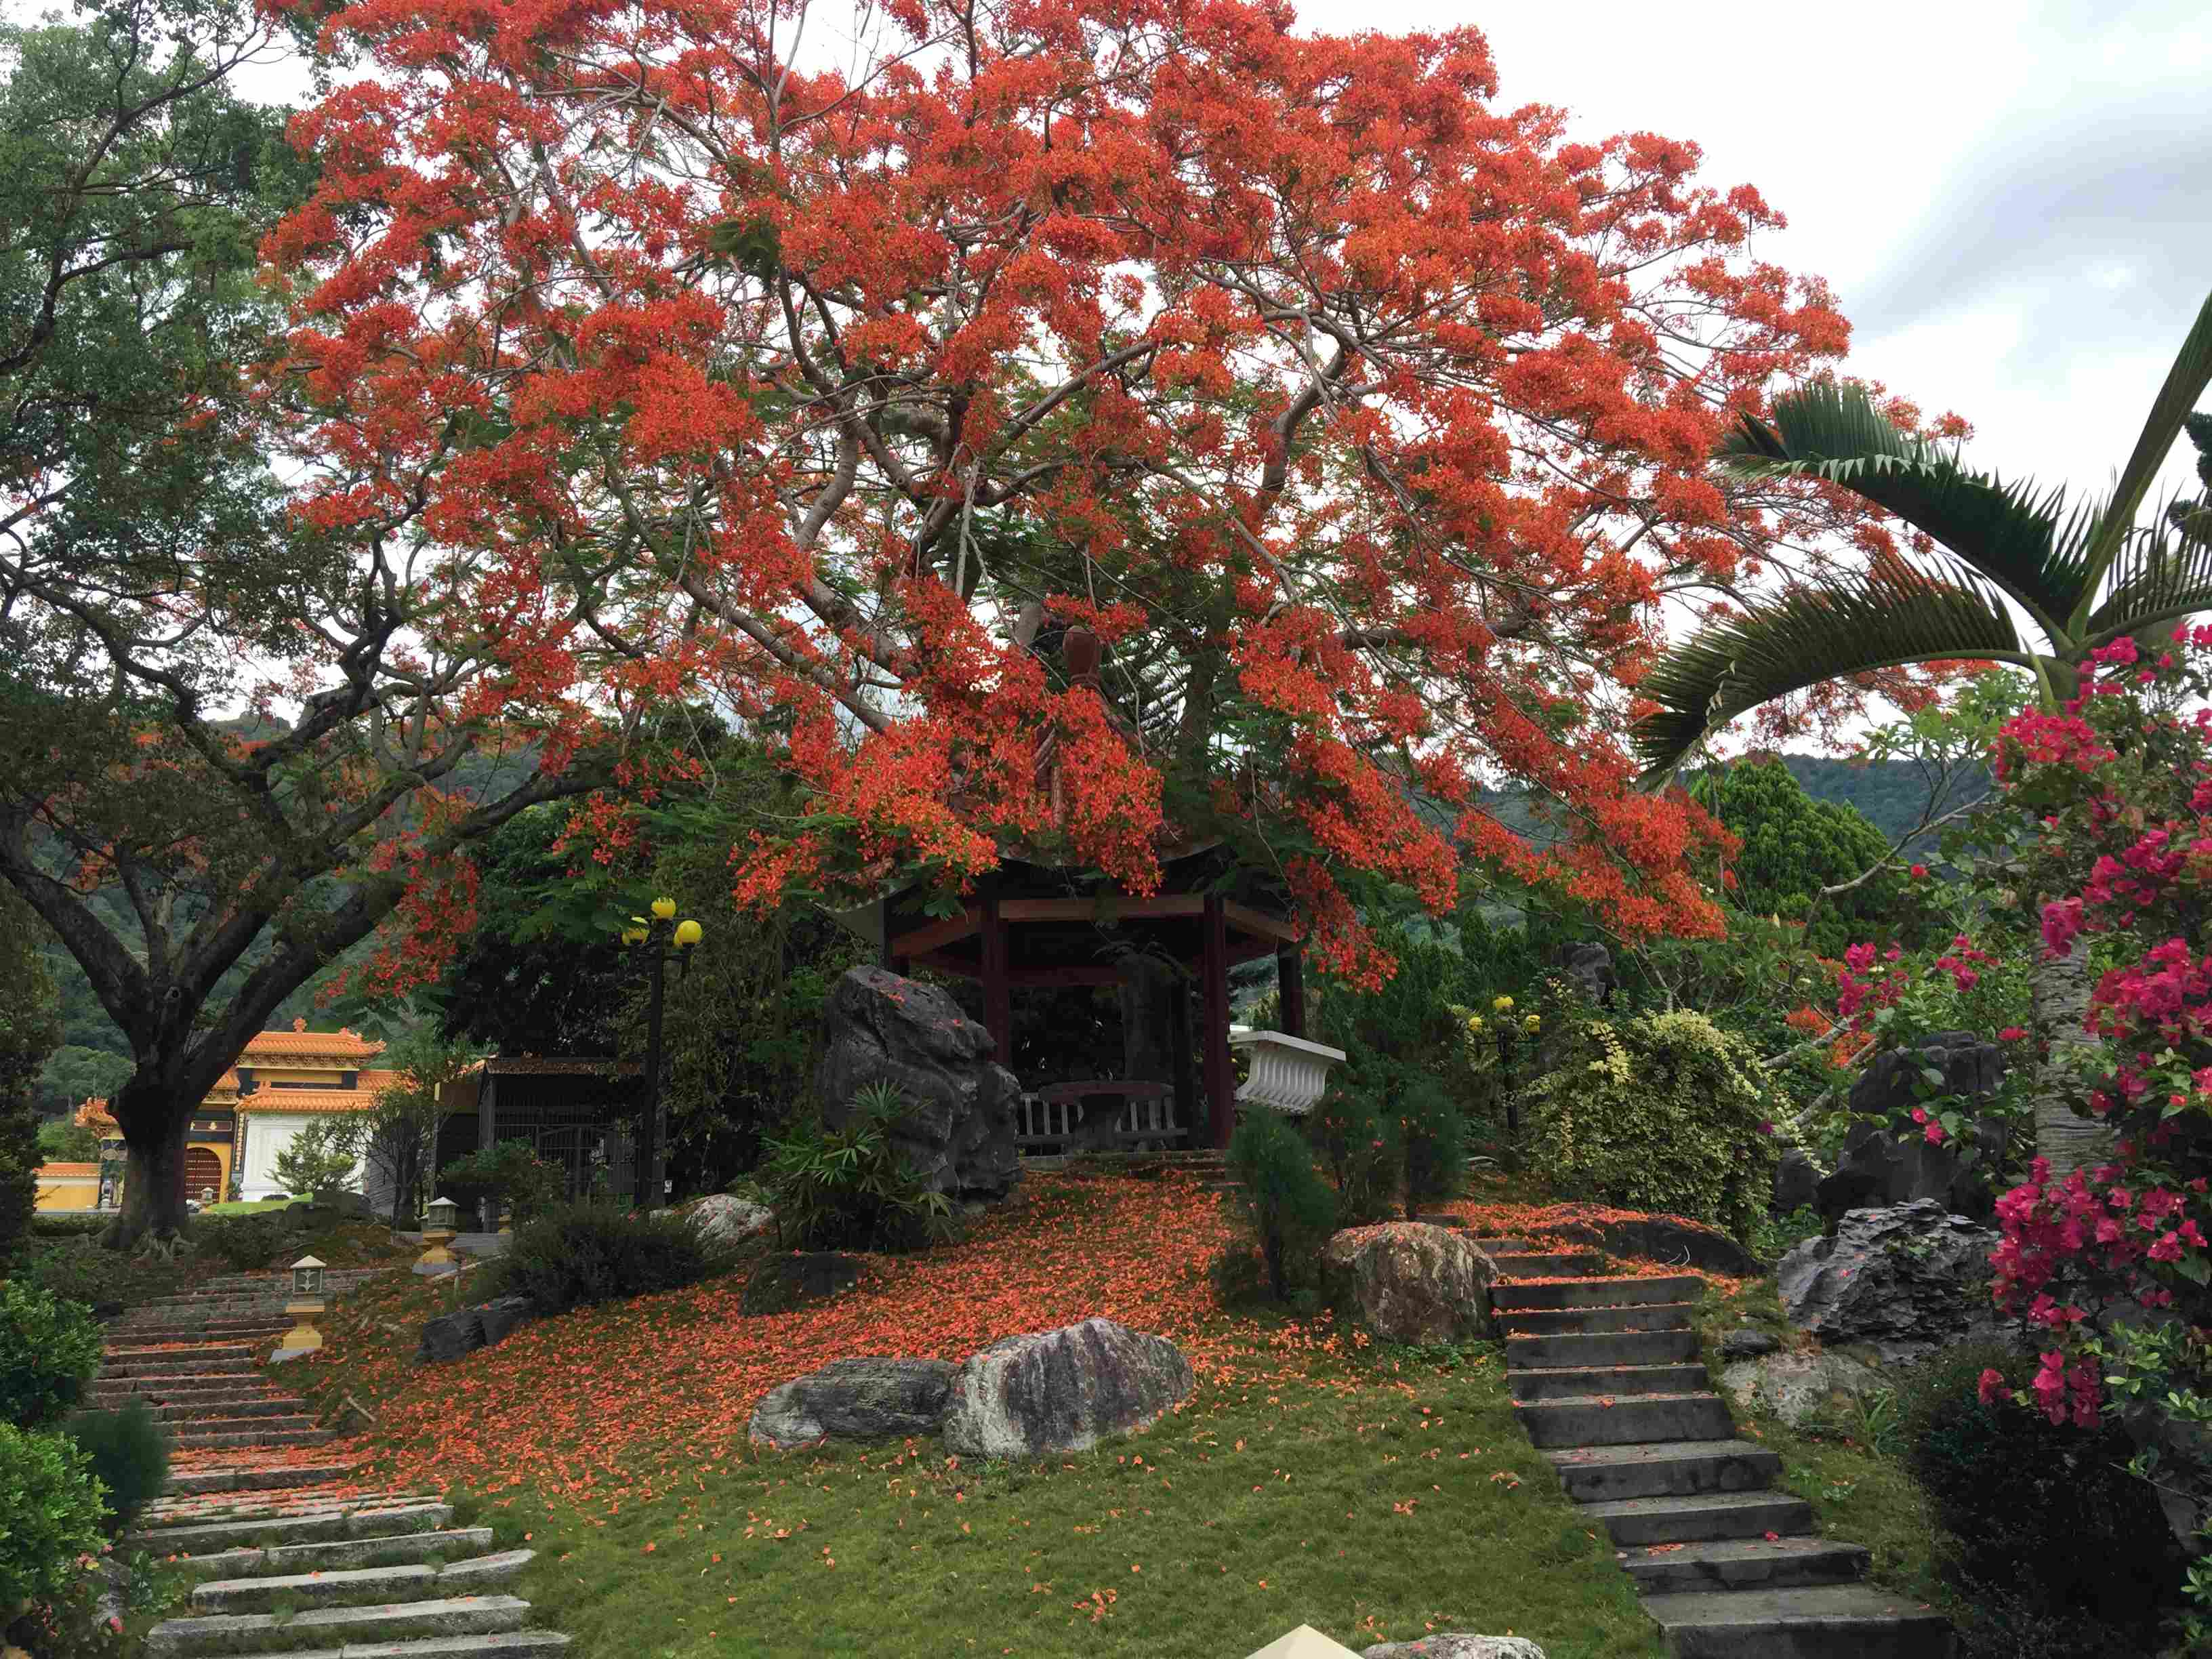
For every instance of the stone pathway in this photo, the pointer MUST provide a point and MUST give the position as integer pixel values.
(296, 1559)
(1607, 1379)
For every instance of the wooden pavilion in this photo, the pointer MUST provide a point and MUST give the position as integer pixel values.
(1029, 926)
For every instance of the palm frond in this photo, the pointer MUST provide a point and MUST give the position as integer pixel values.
(2162, 573)
(2184, 384)
(2021, 539)
(1836, 628)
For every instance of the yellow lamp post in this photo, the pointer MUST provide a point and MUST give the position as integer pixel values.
(306, 1304)
(439, 1216)
(657, 942)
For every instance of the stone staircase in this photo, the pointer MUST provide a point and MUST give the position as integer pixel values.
(1608, 1381)
(294, 1559)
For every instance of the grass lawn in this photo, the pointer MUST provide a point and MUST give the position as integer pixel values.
(1375, 1493)
(246, 1206)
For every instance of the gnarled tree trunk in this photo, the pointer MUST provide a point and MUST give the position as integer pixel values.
(154, 1174)
(2070, 1140)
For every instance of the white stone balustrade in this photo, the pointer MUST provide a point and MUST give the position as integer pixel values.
(1288, 1073)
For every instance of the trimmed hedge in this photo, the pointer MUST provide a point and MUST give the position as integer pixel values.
(49, 1350)
(52, 1515)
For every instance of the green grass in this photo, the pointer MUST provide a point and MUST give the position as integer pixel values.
(246, 1206)
(1376, 1501)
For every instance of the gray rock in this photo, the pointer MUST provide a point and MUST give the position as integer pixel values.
(351, 1204)
(1406, 1281)
(1588, 968)
(784, 1282)
(723, 1219)
(1452, 1645)
(500, 1316)
(1796, 1181)
(867, 1399)
(1876, 1169)
(1905, 1281)
(1801, 1388)
(1747, 1345)
(958, 1128)
(451, 1335)
(1062, 1391)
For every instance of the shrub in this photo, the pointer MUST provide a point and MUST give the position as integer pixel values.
(247, 1242)
(1289, 1206)
(2036, 1512)
(319, 1159)
(1662, 1112)
(1431, 1142)
(129, 1450)
(579, 1253)
(511, 1173)
(52, 1515)
(850, 1188)
(1358, 1143)
(49, 1350)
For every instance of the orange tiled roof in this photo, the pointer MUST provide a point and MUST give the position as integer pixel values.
(357, 1099)
(60, 1171)
(93, 1114)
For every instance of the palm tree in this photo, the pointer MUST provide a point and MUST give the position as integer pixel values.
(2080, 579)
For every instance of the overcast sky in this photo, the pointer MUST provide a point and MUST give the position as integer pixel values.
(2013, 200)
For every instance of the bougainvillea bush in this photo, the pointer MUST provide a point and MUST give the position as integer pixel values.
(1662, 1112)
(2121, 782)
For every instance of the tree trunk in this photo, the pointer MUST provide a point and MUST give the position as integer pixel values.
(153, 1184)
(2071, 1140)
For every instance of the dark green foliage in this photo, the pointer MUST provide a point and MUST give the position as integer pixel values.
(1432, 1141)
(1290, 1207)
(61, 1141)
(510, 1173)
(248, 1243)
(1659, 1112)
(319, 1159)
(849, 1189)
(129, 1450)
(51, 1515)
(1358, 1145)
(2041, 1518)
(28, 1031)
(1793, 847)
(49, 1350)
(579, 1253)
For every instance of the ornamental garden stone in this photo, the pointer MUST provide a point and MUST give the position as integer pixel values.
(862, 1399)
(1903, 1281)
(1062, 1391)
(1410, 1281)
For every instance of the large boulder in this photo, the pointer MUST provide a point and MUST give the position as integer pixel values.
(1905, 1281)
(785, 1282)
(450, 1336)
(958, 1128)
(1454, 1644)
(1877, 1169)
(1796, 1181)
(869, 1399)
(1801, 1387)
(502, 1315)
(1588, 966)
(724, 1218)
(1410, 1281)
(1062, 1391)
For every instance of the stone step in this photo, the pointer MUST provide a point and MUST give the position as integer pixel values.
(1631, 1420)
(1576, 1264)
(1514, 1294)
(305, 1527)
(321, 1630)
(1735, 1563)
(210, 1409)
(396, 1549)
(1700, 1515)
(1601, 1348)
(212, 1437)
(180, 1364)
(114, 1352)
(1593, 1474)
(1594, 1321)
(1574, 1382)
(1496, 1247)
(504, 1644)
(275, 1477)
(1824, 1621)
(358, 1587)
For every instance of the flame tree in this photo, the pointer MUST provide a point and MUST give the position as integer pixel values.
(848, 360)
